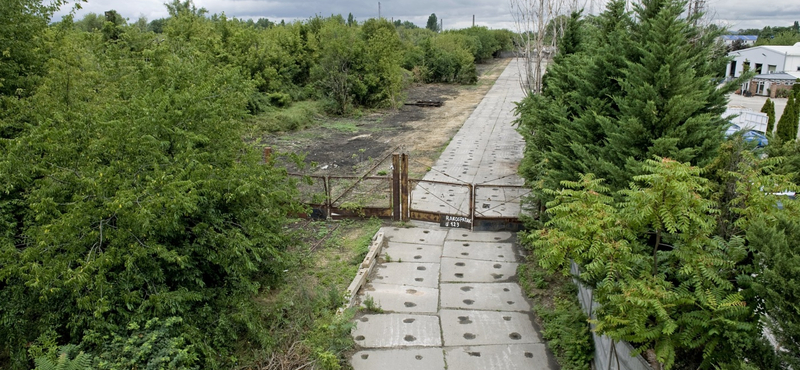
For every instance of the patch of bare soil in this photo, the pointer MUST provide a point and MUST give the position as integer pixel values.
(353, 146)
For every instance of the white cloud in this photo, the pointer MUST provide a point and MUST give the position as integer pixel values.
(455, 13)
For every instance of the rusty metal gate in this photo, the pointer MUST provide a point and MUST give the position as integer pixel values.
(482, 207)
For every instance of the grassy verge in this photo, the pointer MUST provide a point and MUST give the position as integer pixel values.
(565, 327)
(301, 313)
(297, 116)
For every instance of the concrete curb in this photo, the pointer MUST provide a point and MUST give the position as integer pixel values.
(370, 260)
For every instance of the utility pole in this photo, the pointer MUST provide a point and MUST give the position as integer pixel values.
(473, 20)
(379, 10)
(441, 24)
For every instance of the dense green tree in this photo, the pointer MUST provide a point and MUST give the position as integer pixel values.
(129, 195)
(669, 105)
(404, 24)
(769, 222)
(359, 66)
(383, 75)
(562, 125)
(337, 71)
(662, 242)
(788, 37)
(433, 23)
(769, 109)
(113, 25)
(156, 25)
(787, 125)
(176, 8)
(488, 44)
(776, 244)
(351, 21)
(448, 58)
(22, 23)
(90, 22)
(264, 23)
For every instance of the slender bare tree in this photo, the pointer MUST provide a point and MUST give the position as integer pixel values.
(539, 23)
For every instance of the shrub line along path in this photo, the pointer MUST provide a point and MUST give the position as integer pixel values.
(450, 296)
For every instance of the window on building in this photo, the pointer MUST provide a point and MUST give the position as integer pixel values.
(771, 68)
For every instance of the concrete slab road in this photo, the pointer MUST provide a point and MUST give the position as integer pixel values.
(459, 309)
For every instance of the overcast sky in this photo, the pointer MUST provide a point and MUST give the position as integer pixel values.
(455, 13)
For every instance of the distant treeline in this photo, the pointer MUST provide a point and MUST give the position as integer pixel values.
(342, 61)
(775, 35)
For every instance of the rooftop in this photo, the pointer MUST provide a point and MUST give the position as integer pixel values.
(790, 50)
(740, 37)
(790, 76)
(780, 49)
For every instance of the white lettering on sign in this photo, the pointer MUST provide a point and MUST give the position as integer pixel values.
(455, 221)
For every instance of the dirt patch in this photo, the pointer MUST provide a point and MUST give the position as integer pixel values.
(353, 145)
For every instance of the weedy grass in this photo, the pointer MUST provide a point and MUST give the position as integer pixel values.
(555, 302)
(304, 326)
(295, 117)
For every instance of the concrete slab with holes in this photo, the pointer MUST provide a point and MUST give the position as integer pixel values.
(407, 273)
(403, 298)
(405, 252)
(480, 251)
(515, 356)
(449, 298)
(465, 269)
(399, 359)
(414, 236)
(484, 296)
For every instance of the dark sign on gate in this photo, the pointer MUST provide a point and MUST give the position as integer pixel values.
(455, 221)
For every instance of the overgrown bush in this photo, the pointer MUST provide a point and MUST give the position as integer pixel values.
(294, 117)
(158, 344)
(448, 59)
(451, 56)
(485, 45)
(565, 326)
(128, 194)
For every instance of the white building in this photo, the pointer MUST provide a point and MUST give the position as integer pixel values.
(748, 40)
(764, 60)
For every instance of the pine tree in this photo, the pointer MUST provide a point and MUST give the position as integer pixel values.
(668, 105)
(769, 109)
(545, 120)
(562, 134)
(433, 23)
(787, 125)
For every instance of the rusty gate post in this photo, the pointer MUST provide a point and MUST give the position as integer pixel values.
(406, 211)
(396, 187)
(328, 206)
(472, 207)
